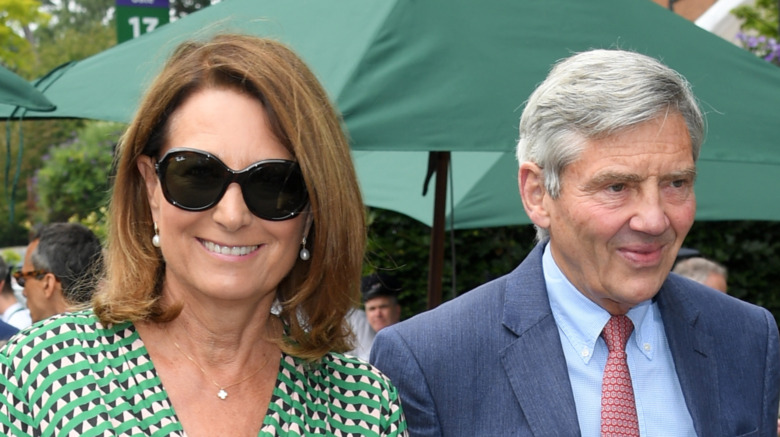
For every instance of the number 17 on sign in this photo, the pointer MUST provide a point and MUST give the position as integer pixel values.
(137, 17)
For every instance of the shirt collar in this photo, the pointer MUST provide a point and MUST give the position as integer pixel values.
(581, 320)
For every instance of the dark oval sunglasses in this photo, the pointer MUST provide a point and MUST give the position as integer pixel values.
(195, 180)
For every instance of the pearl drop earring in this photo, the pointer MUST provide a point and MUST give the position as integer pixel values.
(304, 253)
(156, 238)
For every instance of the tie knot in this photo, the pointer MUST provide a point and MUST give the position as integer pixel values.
(616, 333)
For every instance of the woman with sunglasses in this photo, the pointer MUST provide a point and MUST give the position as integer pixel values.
(235, 249)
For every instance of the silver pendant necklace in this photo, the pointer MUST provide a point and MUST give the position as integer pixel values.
(222, 393)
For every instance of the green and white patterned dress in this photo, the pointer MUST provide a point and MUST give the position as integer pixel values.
(72, 376)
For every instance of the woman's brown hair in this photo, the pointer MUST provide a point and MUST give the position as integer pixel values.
(316, 294)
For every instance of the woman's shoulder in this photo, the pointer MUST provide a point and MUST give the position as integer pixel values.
(75, 331)
(345, 361)
(352, 394)
(339, 370)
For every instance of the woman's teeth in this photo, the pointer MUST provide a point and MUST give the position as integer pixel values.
(228, 250)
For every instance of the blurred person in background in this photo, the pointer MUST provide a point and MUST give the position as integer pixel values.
(13, 312)
(380, 309)
(703, 271)
(6, 332)
(60, 270)
(380, 300)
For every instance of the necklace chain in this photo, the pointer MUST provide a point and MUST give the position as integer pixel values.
(222, 393)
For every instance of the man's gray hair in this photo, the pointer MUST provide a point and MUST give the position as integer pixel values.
(594, 95)
(73, 253)
(699, 269)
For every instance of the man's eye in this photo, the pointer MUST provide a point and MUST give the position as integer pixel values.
(679, 183)
(616, 188)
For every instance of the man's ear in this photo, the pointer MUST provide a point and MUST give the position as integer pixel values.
(145, 166)
(50, 285)
(530, 179)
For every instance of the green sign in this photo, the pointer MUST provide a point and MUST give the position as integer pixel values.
(134, 21)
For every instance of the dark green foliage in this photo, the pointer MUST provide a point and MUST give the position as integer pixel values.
(182, 8)
(751, 253)
(74, 177)
(34, 138)
(400, 245)
(12, 234)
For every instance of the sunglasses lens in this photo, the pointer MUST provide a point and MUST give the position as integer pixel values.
(195, 181)
(21, 277)
(192, 181)
(275, 190)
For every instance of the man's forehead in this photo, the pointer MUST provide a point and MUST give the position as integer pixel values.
(622, 159)
(378, 301)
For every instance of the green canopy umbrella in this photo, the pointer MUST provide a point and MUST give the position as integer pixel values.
(15, 91)
(451, 76)
(16, 96)
(482, 187)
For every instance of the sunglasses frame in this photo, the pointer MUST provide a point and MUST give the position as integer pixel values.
(237, 176)
(21, 277)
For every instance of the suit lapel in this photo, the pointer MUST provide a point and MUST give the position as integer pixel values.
(534, 363)
(692, 350)
(536, 366)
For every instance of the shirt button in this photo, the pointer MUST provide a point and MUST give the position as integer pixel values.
(585, 352)
(647, 347)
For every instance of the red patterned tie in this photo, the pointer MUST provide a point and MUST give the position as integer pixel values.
(618, 410)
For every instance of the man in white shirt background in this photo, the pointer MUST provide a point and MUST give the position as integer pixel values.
(11, 310)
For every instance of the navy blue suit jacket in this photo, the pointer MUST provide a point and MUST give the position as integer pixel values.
(7, 331)
(490, 362)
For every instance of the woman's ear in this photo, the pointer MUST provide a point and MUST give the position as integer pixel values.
(530, 178)
(146, 168)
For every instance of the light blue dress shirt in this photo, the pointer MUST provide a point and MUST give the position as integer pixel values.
(660, 404)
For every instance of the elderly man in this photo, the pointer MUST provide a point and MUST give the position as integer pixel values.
(59, 269)
(607, 152)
